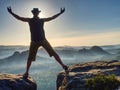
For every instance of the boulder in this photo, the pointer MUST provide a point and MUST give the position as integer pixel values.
(16, 82)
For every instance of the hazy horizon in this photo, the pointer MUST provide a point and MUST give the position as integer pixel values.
(84, 23)
(67, 45)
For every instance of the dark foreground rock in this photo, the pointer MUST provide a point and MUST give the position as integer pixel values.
(77, 74)
(16, 82)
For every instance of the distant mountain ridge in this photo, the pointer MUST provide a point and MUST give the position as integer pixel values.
(18, 55)
(92, 53)
(95, 50)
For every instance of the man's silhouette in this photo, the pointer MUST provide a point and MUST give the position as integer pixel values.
(38, 38)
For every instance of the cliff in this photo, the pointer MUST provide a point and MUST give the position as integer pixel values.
(75, 77)
(16, 82)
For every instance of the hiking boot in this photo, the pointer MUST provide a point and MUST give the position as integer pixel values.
(25, 76)
(65, 68)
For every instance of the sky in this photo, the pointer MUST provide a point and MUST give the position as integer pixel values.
(84, 22)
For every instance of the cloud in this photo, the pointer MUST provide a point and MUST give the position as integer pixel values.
(95, 39)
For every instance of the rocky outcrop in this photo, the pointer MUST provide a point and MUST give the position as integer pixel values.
(16, 82)
(75, 77)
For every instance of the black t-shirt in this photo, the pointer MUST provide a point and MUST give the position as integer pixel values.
(37, 29)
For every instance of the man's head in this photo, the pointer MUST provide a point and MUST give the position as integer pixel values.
(35, 11)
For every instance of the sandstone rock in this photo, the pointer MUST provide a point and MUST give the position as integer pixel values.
(77, 74)
(16, 82)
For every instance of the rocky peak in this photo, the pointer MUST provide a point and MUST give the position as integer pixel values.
(16, 53)
(96, 48)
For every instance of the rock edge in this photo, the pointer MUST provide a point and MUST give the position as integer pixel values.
(16, 82)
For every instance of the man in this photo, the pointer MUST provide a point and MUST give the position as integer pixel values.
(38, 38)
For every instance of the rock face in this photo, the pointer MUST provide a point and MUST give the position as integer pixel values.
(75, 77)
(16, 82)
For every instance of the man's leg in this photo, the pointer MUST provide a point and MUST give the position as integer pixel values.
(51, 52)
(29, 62)
(56, 56)
(32, 54)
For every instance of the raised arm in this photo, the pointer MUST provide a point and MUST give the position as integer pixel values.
(55, 16)
(16, 16)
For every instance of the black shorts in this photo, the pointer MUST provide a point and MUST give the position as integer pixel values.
(34, 47)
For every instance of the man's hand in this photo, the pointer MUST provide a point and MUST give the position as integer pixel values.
(9, 9)
(62, 10)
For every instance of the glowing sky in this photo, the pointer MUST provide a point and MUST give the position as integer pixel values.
(85, 22)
